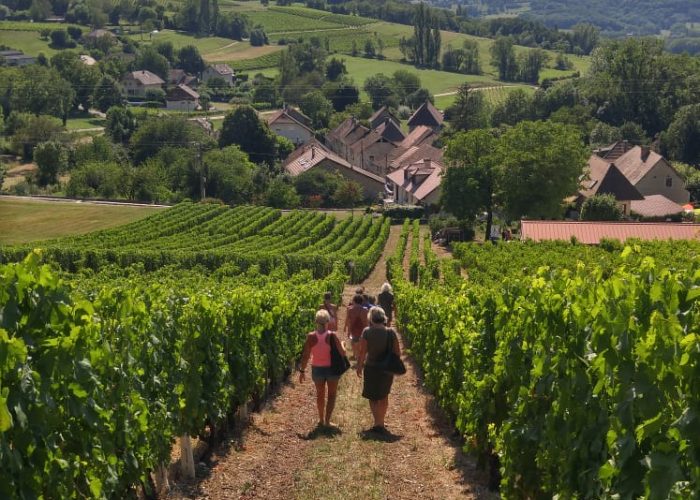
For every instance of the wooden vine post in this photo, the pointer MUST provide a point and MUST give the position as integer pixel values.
(186, 457)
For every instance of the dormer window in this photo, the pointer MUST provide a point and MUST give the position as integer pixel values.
(669, 181)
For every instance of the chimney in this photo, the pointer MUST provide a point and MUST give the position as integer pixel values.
(313, 152)
(645, 153)
(426, 162)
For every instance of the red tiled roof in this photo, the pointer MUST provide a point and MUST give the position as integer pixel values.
(419, 178)
(656, 205)
(592, 232)
(418, 136)
(414, 154)
(312, 153)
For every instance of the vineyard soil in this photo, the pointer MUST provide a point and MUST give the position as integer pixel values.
(278, 456)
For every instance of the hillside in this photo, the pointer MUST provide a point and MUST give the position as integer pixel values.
(639, 17)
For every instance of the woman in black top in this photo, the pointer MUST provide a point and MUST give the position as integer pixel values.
(386, 302)
(374, 344)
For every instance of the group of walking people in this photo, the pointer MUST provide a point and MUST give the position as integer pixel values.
(368, 328)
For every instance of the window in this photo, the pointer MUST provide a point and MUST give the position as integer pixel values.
(669, 181)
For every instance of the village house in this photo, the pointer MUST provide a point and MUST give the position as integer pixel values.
(417, 183)
(381, 116)
(222, 71)
(15, 58)
(647, 171)
(426, 115)
(374, 151)
(182, 98)
(179, 77)
(605, 178)
(291, 124)
(137, 83)
(314, 155)
(345, 135)
(99, 37)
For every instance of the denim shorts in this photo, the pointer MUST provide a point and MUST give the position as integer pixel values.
(323, 373)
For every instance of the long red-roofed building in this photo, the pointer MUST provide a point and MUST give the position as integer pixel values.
(591, 233)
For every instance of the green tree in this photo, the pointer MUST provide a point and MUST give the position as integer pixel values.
(503, 57)
(601, 207)
(381, 90)
(471, 64)
(40, 10)
(531, 63)
(518, 106)
(82, 77)
(317, 184)
(405, 83)
(61, 40)
(681, 141)
(281, 194)
(32, 130)
(633, 80)
(317, 107)
(107, 93)
(243, 127)
(470, 110)
(348, 194)
(51, 158)
(335, 69)
(370, 50)
(149, 183)
(121, 124)
(156, 133)
(585, 36)
(471, 183)
(189, 59)
(229, 175)
(542, 163)
(42, 91)
(341, 94)
(258, 37)
(149, 59)
(99, 179)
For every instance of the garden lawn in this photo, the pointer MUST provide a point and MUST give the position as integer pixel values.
(24, 221)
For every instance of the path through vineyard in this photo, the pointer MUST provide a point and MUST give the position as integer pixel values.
(280, 457)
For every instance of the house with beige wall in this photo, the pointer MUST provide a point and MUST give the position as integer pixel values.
(647, 171)
(313, 155)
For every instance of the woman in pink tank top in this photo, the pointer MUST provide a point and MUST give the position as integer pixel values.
(318, 348)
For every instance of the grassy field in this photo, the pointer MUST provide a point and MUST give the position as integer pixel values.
(28, 42)
(24, 221)
(493, 95)
(213, 49)
(84, 122)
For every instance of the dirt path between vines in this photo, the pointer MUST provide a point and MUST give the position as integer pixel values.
(279, 456)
